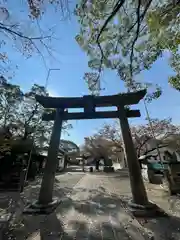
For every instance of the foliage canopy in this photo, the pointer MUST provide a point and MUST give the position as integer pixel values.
(21, 115)
(129, 36)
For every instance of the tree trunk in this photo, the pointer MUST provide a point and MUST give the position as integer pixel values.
(137, 185)
(46, 191)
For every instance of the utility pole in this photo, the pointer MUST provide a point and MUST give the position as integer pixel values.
(153, 133)
(48, 74)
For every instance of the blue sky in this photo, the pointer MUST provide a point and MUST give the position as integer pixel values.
(69, 80)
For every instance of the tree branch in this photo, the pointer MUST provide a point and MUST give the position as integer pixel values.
(140, 18)
(141, 145)
(142, 15)
(19, 34)
(151, 150)
(135, 39)
(117, 7)
(138, 21)
(9, 32)
(32, 114)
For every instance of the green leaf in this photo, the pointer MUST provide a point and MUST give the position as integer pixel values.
(94, 64)
(175, 82)
(79, 40)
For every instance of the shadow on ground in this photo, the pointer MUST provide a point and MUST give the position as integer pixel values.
(163, 228)
(101, 204)
(52, 227)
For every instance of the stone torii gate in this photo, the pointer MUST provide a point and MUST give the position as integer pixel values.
(89, 104)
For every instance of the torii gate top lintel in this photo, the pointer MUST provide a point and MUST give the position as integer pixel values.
(98, 101)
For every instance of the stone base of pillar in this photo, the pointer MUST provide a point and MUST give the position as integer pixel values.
(149, 210)
(35, 208)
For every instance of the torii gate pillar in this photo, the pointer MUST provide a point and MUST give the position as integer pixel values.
(45, 195)
(139, 205)
(137, 187)
(45, 203)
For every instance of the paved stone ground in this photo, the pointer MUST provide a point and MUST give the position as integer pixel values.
(93, 210)
(167, 228)
(163, 228)
(93, 207)
(63, 185)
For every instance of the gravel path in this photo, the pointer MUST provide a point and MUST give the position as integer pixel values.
(93, 211)
(94, 207)
(64, 184)
(158, 228)
(164, 228)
